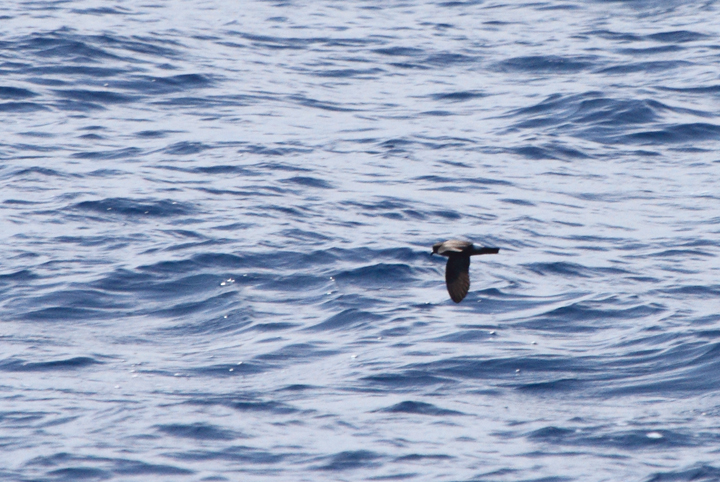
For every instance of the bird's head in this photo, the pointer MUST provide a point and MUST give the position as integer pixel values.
(436, 247)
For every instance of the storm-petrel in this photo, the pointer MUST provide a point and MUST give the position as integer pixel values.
(457, 271)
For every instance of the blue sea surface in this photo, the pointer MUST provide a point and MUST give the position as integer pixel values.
(216, 221)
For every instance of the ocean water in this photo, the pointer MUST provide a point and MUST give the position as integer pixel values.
(216, 221)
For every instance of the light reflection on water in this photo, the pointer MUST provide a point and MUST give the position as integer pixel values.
(216, 236)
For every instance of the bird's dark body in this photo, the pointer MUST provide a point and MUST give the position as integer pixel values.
(457, 271)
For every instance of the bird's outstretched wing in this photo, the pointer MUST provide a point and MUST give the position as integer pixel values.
(484, 250)
(457, 276)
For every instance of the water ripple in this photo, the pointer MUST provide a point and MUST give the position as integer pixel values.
(217, 225)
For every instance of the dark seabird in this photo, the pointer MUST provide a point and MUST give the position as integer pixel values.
(457, 271)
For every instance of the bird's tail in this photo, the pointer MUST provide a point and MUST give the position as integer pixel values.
(484, 250)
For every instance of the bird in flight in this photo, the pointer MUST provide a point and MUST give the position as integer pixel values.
(457, 271)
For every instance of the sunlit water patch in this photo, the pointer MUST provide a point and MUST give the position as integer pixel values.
(217, 223)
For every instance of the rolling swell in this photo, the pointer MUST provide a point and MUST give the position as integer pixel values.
(216, 229)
